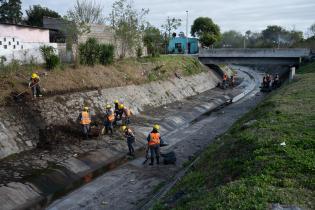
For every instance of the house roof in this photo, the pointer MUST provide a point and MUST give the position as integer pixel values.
(24, 26)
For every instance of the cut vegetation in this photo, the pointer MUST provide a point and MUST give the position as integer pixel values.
(267, 157)
(14, 78)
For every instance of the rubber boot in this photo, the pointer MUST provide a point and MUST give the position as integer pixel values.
(158, 160)
(152, 161)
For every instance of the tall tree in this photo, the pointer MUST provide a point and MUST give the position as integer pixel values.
(128, 24)
(231, 39)
(311, 30)
(207, 31)
(36, 13)
(153, 40)
(171, 24)
(87, 11)
(10, 11)
(277, 36)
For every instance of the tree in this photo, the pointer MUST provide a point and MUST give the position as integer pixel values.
(36, 13)
(10, 11)
(207, 31)
(278, 36)
(153, 40)
(128, 25)
(232, 39)
(87, 12)
(171, 24)
(312, 30)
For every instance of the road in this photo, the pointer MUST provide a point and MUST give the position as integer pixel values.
(132, 185)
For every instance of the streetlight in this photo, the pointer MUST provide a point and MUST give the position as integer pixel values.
(187, 32)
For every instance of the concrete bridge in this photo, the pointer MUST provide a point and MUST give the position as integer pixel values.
(250, 56)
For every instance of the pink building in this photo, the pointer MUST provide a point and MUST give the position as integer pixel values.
(28, 34)
(22, 43)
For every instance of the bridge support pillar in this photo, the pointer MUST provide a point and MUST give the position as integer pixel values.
(292, 73)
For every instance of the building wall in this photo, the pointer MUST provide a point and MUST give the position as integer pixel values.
(25, 34)
(13, 48)
(173, 48)
(22, 43)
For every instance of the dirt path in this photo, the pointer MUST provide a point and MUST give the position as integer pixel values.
(132, 185)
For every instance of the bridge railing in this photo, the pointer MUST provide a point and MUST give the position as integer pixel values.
(255, 52)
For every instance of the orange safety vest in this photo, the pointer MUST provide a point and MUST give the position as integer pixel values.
(154, 139)
(111, 117)
(85, 118)
(224, 77)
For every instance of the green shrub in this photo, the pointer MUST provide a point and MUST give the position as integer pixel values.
(89, 52)
(51, 59)
(106, 54)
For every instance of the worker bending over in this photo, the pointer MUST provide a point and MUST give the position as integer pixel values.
(154, 140)
(109, 119)
(126, 113)
(130, 137)
(34, 85)
(85, 121)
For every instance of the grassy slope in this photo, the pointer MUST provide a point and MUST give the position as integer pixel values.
(247, 168)
(123, 72)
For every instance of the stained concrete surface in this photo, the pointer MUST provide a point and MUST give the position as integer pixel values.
(130, 186)
(25, 125)
(48, 172)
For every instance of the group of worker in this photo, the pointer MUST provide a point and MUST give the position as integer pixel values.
(122, 114)
(268, 82)
(226, 81)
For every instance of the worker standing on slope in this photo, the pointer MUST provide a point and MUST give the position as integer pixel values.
(154, 140)
(34, 85)
(126, 113)
(130, 137)
(224, 80)
(109, 119)
(85, 121)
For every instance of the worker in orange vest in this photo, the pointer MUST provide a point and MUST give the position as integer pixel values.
(126, 113)
(109, 119)
(85, 121)
(224, 80)
(154, 140)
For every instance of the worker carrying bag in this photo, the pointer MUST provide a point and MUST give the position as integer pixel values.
(169, 158)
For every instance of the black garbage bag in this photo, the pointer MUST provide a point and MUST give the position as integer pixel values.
(169, 158)
(163, 143)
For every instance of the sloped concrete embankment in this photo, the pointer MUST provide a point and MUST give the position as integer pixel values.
(19, 127)
(38, 191)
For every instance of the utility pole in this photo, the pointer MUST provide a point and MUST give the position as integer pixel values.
(187, 32)
(244, 42)
(278, 41)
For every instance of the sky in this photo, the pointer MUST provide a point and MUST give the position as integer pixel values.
(239, 15)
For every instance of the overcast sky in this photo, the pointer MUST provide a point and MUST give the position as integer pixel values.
(240, 15)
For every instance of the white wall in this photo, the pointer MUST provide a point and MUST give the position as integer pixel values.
(25, 52)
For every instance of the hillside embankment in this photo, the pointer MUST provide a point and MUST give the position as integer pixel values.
(265, 161)
(67, 79)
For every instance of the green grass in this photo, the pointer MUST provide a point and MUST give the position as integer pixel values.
(247, 168)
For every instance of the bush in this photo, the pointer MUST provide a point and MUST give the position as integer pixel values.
(89, 52)
(51, 59)
(106, 54)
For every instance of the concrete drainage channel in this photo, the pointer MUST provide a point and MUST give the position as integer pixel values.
(60, 180)
(116, 184)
